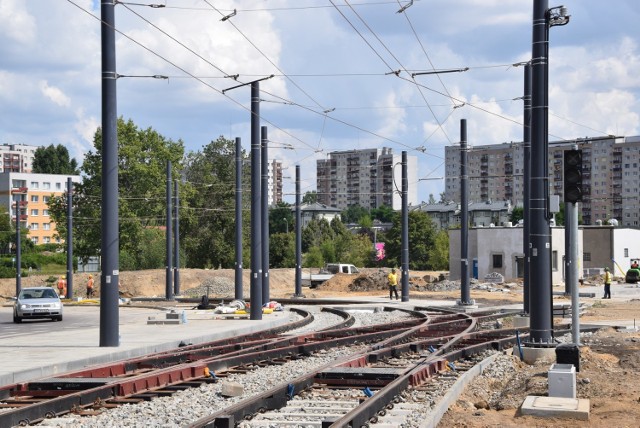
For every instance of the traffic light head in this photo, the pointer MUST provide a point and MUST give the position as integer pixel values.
(572, 176)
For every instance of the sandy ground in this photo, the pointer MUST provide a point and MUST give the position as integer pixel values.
(610, 360)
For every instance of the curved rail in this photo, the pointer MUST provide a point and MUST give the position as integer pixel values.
(166, 370)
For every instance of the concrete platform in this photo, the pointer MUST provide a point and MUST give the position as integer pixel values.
(556, 407)
(28, 355)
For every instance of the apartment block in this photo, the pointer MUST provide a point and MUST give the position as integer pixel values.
(369, 178)
(610, 176)
(16, 157)
(26, 197)
(274, 179)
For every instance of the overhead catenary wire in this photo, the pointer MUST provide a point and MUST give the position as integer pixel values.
(321, 113)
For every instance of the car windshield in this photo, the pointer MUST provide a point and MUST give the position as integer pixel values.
(46, 293)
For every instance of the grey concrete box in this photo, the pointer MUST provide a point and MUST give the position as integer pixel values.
(562, 381)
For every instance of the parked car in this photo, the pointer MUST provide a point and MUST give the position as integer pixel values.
(313, 280)
(37, 302)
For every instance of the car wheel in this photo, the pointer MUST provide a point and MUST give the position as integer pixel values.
(16, 319)
(59, 318)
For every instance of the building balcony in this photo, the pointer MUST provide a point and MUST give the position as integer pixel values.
(19, 190)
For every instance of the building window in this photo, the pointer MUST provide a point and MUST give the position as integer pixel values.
(46, 226)
(626, 252)
(34, 239)
(58, 186)
(497, 261)
(34, 212)
(46, 239)
(34, 226)
(45, 212)
(34, 198)
(586, 257)
(46, 186)
(554, 261)
(45, 199)
(34, 185)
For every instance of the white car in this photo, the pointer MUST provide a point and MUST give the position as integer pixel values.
(37, 302)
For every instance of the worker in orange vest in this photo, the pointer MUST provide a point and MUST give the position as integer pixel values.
(62, 286)
(90, 286)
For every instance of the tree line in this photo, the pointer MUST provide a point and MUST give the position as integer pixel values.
(206, 182)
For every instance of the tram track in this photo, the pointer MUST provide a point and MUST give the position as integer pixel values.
(165, 373)
(424, 350)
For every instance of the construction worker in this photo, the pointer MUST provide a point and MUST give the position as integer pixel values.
(62, 286)
(393, 284)
(607, 283)
(90, 286)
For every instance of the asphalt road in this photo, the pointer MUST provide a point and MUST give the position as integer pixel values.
(75, 317)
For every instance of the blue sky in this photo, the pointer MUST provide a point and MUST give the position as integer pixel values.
(325, 55)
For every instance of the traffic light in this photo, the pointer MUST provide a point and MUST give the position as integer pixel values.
(572, 176)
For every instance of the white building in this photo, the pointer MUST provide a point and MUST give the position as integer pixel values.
(499, 249)
(17, 157)
(26, 196)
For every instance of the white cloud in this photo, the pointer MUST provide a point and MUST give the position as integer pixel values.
(54, 94)
(16, 22)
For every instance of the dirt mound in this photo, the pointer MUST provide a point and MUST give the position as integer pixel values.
(367, 281)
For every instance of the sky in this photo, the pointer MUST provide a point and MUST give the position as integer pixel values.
(342, 74)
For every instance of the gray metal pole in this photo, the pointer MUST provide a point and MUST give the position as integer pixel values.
(265, 215)
(238, 272)
(568, 236)
(465, 291)
(405, 231)
(69, 239)
(298, 291)
(169, 233)
(18, 251)
(541, 328)
(256, 244)
(110, 275)
(574, 256)
(526, 229)
(176, 242)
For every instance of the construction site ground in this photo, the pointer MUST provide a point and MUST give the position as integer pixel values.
(609, 373)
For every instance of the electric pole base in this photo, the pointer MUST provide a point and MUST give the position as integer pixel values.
(466, 306)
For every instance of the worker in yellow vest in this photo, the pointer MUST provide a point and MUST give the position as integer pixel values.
(607, 283)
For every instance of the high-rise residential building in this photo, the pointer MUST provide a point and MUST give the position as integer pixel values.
(26, 198)
(275, 182)
(610, 169)
(274, 179)
(16, 157)
(370, 178)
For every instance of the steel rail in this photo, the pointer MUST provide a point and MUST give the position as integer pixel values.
(80, 389)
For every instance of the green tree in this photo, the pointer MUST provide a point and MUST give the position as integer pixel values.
(384, 213)
(353, 214)
(7, 230)
(210, 232)
(439, 253)
(517, 214)
(54, 160)
(282, 252)
(142, 160)
(421, 240)
(310, 197)
(443, 198)
(432, 200)
(281, 219)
